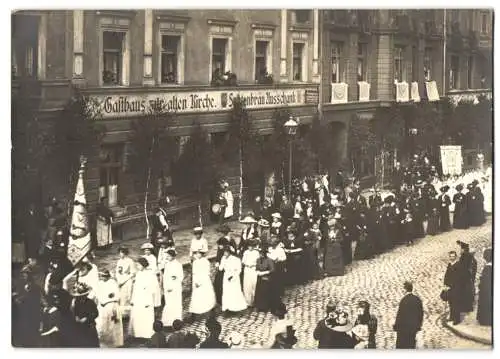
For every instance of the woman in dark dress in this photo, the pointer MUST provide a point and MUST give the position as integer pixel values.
(364, 249)
(294, 259)
(311, 247)
(265, 291)
(334, 263)
(444, 210)
(477, 217)
(460, 212)
(433, 220)
(485, 300)
(50, 334)
(84, 313)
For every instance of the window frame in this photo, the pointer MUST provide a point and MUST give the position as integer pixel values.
(116, 150)
(454, 74)
(295, 17)
(304, 72)
(399, 57)
(363, 56)
(339, 56)
(264, 35)
(227, 58)
(427, 60)
(180, 57)
(484, 23)
(121, 25)
(470, 72)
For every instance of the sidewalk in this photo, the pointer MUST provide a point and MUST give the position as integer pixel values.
(470, 329)
(107, 258)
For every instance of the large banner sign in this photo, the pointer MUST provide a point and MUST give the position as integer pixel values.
(451, 160)
(124, 105)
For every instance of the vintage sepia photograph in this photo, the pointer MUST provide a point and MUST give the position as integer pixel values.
(252, 178)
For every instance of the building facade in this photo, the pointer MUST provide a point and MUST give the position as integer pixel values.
(336, 64)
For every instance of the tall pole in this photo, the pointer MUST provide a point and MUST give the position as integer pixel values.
(444, 54)
(290, 170)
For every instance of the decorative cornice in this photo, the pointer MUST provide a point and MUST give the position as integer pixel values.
(172, 18)
(266, 26)
(222, 22)
(129, 14)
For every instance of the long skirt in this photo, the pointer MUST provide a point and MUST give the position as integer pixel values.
(85, 336)
(346, 245)
(310, 263)
(109, 326)
(444, 219)
(219, 278)
(232, 295)
(249, 285)
(334, 262)
(104, 234)
(433, 224)
(294, 269)
(265, 294)
(173, 307)
(202, 298)
(364, 250)
(141, 321)
(125, 297)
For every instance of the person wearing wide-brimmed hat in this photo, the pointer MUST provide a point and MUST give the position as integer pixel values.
(144, 300)
(294, 249)
(109, 321)
(202, 295)
(198, 243)
(277, 227)
(460, 211)
(334, 331)
(476, 205)
(444, 209)
(264, 230)
(165, 246)
(232, 295)
(147, 249)
(250, 229)
(85, 312)
(249, 262)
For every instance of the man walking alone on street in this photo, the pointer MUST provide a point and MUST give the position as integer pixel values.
(408, 319)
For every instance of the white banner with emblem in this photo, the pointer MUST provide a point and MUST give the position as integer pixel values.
(451, 160)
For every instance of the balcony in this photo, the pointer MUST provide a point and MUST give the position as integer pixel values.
(457, 96)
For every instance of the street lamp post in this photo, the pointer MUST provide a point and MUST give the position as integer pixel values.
(291, 130)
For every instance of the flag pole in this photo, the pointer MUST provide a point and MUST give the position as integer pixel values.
(444, 54)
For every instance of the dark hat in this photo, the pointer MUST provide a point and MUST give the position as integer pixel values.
(105, 273)
(459, 187)
(124, 250)
(444, 188)
(172, 253)
(331, 306)
(387, 200)
(224, 229)
(463, 245)
(229, 249)
(80, 290)
(475, 182)
(143, 262)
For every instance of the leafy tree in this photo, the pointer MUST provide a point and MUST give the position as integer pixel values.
(319, 138)
(196, 167)
(151, 148)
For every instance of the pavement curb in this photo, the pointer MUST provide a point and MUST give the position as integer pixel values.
(461, 334)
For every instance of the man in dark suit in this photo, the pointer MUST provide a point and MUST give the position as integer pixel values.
(454, 282)
(409, 319)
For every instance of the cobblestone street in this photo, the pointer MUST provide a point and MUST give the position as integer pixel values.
(379, 281)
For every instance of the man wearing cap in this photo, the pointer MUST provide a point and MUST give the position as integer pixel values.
(198, 243)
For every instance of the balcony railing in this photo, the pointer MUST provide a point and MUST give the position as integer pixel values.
(339, 92)
(402, 91)
(457, 96)
(364, 91)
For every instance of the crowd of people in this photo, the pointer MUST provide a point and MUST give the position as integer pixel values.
(315, 231)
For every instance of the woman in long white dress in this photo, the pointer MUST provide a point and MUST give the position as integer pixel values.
(249, 262)
(109, 322)
(203, 294)
(124, 274)
(153, 270)
(232, 296)
(142, 314)
(173, 276)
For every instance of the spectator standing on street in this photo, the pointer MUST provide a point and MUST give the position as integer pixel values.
(408, 319)
(485, 301)
(469, 271)
(454, 282)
